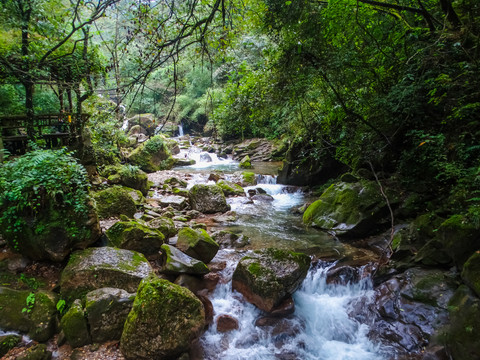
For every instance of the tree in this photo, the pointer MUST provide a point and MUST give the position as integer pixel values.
(40, 33)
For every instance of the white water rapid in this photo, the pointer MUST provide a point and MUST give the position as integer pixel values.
(320, 328)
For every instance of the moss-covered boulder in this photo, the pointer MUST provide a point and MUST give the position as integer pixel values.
(349, 209)
(462, 333)
(248, 178)
(97, 268)
(208, 199)
(8, 342)
(31, 313)
(165, 225)
(471, 272)
(230, 189)
(152, 155)
(245, 163)
(176, 262)
(197, 243)
(132, 235)
(107, 309)
(164, 321)
(230, 240)
(455, 240)
(127, 175)
(74, 325)
(268, 277)
(113, 202)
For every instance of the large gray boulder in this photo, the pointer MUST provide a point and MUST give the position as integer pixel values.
(349, 209)
(267, 277)
(107, 309)
(97, 268)
(31, 313)
(197, 243)
(208, 199)
(132, 235)
(175, 201)
(176, 262)
(164, 321)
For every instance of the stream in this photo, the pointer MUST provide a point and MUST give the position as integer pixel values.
(323, 325)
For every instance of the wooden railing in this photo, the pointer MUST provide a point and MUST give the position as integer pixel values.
(55, 129)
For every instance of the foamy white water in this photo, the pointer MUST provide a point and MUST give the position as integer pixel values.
(319, 329)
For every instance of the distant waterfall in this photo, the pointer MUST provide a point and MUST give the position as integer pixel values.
(180, 129)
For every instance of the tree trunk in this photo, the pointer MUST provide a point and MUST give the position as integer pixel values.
(450, 13)
(1, 147)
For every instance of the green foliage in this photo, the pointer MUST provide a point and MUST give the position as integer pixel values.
(30, 303)
(61, 306)
(31, 282)
(34, 181)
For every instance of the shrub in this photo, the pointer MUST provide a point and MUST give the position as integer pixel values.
(30, 185)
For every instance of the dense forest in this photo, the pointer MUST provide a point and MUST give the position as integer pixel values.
(384, 94)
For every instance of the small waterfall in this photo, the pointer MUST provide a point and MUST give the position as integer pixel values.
(266, 179)
(320, 328)
(125, 124)
(180, 130)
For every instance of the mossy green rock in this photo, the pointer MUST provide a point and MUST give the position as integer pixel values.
(113, 202)
(176, 262)
(456, 239)
(165, 225)
(349, 209)
(471, 272)
(97, 268)
(462, 333)
(107, 309)
(55, 232)
(8, 342)
(208, 199)
(230, 189)
(132, 235)
(197, 243)
(267, 277)
(248, 178)
(74, 325)
(174, 181)
(230, 240)
(36, 352)
(153, 155)
(38, 321)
(245, 163)
(127, 175)
(164, 321)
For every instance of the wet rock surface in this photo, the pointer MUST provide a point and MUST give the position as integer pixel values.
(96, 268)
(267, 277)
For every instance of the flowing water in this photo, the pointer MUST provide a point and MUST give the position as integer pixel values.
(321, 327)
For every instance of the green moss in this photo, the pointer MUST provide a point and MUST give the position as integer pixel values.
(152, 155)
(114, 201)
(249, 177)
(230, 188)
(471, 272)
(74, 325)
(245, 163)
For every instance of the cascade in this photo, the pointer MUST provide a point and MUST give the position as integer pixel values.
(180, 129)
